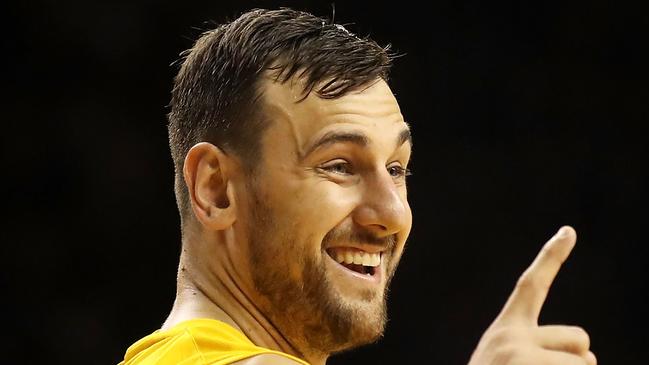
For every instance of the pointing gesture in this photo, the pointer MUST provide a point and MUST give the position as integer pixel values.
(525, 303)
(515, 338)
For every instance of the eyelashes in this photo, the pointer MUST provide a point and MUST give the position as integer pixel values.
(399, 172)
(345, 168)
(340, 167)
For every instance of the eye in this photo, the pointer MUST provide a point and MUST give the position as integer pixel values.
(340, 167)
(398, 172)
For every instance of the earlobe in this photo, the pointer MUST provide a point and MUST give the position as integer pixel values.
(207, 173)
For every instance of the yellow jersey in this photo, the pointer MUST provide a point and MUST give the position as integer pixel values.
(196, 342)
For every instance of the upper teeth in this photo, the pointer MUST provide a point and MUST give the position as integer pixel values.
(355, 256)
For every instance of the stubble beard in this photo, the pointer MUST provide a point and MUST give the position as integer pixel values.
(307, 309)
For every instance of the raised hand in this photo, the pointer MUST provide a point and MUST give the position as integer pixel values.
(515, 338)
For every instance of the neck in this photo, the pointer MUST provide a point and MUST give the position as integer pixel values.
(217, 294)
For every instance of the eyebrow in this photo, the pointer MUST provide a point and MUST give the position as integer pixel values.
(404, 136)
(357, 138)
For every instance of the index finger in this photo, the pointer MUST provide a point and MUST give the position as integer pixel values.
(532, 288)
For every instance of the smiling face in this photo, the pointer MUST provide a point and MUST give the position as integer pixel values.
(326, 214)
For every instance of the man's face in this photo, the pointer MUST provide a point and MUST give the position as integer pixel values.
(329, 190)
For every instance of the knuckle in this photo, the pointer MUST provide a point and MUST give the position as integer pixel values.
(582, 337)
(528, 281)
(574, 339)
(591, 359)
(571, 359)
(578, 339)
(507, 336)
(551, 252)
(502, 336)
(506, 354)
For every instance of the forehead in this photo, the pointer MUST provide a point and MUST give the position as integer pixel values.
(373, 110)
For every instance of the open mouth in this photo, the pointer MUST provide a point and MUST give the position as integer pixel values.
(356, 260)
(367, 270)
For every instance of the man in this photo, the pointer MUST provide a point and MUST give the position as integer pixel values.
(291, 159)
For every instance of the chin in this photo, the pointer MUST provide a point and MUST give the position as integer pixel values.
(370, 325)
(363, 323)
(368, 333)
(360, 335)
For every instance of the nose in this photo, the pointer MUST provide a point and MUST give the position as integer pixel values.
(384, 208)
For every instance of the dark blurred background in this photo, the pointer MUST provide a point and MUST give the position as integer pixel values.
(526, 116)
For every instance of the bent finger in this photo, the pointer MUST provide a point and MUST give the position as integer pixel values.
(562, 358)
(571, 339)
(591, 359)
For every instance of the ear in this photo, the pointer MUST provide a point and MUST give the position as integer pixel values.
(208, 175)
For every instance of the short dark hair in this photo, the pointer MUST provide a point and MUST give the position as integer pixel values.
(217, 98)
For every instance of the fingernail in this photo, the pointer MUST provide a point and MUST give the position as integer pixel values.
(563, 232)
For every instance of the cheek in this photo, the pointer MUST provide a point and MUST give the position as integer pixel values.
(305, 207)
(313, 203)
(321, 209)
(330, 204)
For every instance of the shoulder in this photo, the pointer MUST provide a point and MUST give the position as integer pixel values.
(267, 359)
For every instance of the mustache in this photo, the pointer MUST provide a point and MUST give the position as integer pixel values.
(358, 236)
